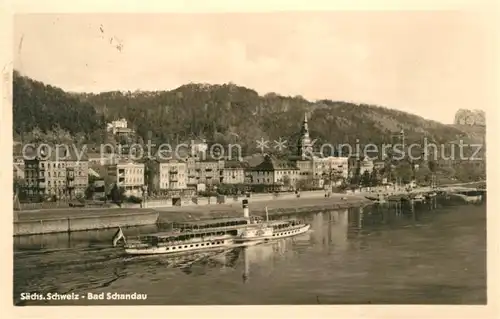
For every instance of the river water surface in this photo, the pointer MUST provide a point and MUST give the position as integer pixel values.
(357, 256)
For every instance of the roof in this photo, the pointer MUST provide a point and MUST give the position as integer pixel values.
(271, 164)
(235, 164)
(253, 160)
(94, 155)
(128, 162)
(53, 153)
(170, 160)
(93, 172)
(211, 221)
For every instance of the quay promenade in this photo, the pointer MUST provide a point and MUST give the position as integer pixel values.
(78, 219)
(52, 221)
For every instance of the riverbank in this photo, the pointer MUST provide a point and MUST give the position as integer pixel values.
(80, 219)
(40, 222)
(258, 208)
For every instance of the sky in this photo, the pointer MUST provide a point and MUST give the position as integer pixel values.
(427, 63)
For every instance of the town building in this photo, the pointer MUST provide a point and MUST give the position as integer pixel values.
(119, 127)
(61, 174)
(233, 172)
(359, 165)
(172, 175)
(208, 172)
(336, 166)
(128, 175)
(278, 174)
(102, 158)
(315, 167)
(18, 167)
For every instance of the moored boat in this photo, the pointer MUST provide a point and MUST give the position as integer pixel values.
(469, 198)
(418, 198)
(431, 194)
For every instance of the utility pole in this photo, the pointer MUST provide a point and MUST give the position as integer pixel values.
(402, 138)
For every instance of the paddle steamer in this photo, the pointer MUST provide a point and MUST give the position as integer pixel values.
(189, 236)
(211, 234)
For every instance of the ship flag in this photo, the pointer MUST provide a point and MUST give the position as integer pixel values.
(118, 236)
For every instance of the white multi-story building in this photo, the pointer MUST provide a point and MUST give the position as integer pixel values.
(128, 175)
(18, 167)
(338, 165)
(234, 173)
(119, 127)
(172, 174)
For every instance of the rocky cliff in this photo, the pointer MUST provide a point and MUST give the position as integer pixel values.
(470, 117)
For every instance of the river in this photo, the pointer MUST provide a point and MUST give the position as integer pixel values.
(373, 255)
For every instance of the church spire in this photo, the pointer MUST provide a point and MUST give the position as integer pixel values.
(304, 146)
(305, 127)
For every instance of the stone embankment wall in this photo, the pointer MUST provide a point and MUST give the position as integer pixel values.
(202, 201)
(46, 226)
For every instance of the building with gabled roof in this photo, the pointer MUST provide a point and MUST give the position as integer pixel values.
(234, 172)
(272, 171)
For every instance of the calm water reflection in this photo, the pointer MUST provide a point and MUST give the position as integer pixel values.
(370, 255)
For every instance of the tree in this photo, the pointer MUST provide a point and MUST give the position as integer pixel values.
(89, 191)
(117, 194)
(432, 165)
(366, 179)
(374, 177)
(333, 176)
(423, 175)
(19, 187)
(404, 172)
(287, 181)
(305, 184)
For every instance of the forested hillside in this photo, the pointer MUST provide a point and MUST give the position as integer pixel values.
(220, 113)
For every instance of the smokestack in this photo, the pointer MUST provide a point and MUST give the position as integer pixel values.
(246, 212)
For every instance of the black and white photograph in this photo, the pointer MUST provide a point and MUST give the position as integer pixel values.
(251, 158)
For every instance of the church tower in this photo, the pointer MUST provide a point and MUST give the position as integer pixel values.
(304, 146)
